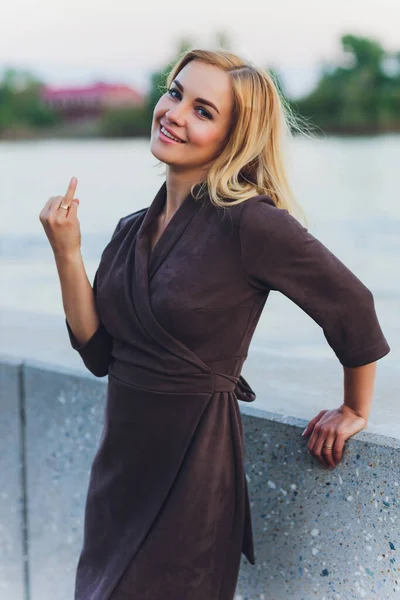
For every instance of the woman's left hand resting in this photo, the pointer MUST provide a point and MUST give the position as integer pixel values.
(333, 428)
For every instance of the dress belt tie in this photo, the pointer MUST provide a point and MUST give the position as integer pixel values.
(224, 382)
(190, 383)
(238, 385)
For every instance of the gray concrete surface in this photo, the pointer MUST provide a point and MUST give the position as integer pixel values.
(318, 534)
(324, 534)
(11, 487)
(64, 420)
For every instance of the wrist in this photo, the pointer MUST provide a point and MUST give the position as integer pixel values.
(346, 409)
(68, 257)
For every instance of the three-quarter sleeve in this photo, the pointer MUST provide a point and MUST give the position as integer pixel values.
(278, 253)
(96, 352)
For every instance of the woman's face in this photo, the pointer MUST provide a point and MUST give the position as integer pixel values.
(197, 109)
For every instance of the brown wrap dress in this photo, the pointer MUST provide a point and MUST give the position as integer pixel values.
(167, 511)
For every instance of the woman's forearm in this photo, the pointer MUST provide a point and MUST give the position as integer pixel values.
(359, 387)
(77, 296)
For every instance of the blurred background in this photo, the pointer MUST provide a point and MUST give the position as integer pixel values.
(78, 84)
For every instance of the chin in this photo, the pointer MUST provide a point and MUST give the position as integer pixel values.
(159, 154)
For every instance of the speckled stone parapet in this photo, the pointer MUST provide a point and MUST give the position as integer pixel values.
(64, 414)
(323, 534)
(11, 488)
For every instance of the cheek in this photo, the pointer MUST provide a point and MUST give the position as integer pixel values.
(206, 137)
(159, 109)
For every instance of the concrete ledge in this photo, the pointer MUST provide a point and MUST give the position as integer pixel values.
(11, 483)
(318, 534)
(64, 423)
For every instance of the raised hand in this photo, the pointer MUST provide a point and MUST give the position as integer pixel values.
(60, 222)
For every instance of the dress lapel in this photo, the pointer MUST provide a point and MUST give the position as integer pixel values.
(171, 234)
(146, 263)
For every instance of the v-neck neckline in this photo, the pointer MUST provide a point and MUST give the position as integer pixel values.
(175, 227)
(160, 205)
(145, 265)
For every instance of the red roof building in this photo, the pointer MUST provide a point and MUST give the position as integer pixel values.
(90, 101)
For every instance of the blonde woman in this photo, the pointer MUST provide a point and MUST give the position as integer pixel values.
(175, 301)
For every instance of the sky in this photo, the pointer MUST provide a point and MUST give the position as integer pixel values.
(77, 42)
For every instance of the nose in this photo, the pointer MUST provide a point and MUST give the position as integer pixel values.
(174, 116)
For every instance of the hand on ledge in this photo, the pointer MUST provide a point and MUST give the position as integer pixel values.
(333, 428)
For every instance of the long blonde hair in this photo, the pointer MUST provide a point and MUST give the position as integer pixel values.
(253, 159)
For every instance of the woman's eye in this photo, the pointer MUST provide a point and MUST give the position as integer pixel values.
(172, 91)
(207, 114)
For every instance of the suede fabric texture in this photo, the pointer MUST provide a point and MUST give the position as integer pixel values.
(167, 514)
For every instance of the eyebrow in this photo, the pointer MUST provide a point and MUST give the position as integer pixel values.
(201, 100)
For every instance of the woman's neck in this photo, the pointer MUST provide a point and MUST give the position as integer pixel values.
(178, 187)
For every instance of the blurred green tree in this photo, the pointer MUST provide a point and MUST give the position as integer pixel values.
(125, 122)
(357, 97)
(20, 102)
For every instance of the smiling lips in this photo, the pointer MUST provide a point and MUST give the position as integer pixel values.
(170, 135)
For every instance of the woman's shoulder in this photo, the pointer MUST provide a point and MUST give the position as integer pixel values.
(265, 224)
(258, 216)
(251, 207)
(254, 206)
(128, 219)
(131, 217)
(261, 204)
(261, 212)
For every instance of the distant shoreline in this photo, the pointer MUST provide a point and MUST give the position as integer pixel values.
(74, 131)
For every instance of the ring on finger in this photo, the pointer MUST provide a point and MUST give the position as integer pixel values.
(328, 454)
(62, 205)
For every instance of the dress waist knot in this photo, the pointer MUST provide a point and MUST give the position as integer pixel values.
(191, 382)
